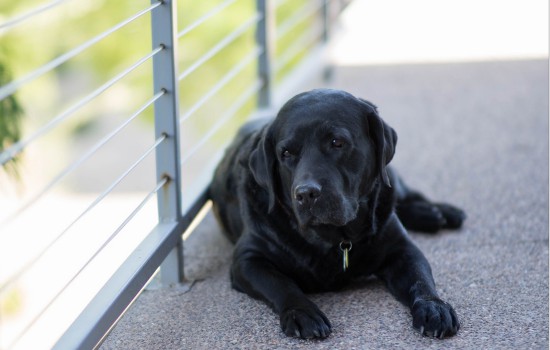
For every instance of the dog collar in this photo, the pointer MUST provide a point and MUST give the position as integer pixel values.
(345, 247)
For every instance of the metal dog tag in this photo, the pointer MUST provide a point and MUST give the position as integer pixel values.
(345, 247)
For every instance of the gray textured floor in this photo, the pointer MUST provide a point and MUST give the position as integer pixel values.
(474, 134)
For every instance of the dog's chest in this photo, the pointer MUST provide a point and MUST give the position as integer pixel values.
(317, 271)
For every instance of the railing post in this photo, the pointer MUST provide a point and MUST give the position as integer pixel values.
(266, 40)
(326, 20)
(164, 28)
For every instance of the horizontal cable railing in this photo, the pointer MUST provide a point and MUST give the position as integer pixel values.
(222, 44)
(300, 44)
(28, 15)
(17, 84)
(70, 168)
(90, 259)
(104, 194)
(205, 18)
(15, 149)
(247, 60)
(298, 18)
(251, 68)
(224, 119)
(310, 14)
(278, 3)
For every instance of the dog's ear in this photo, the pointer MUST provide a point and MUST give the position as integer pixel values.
(384, 138)
(262, 163)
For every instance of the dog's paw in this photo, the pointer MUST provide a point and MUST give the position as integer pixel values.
(305, 322)
(424, 216)
(454, 217)
(434, 318)
(421, 216)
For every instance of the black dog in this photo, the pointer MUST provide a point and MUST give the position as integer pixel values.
(310, 203)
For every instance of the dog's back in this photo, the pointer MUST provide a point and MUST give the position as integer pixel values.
(224, 186)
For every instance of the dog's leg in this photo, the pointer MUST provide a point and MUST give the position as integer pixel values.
(417, 213)
(257, 277)
(408, 276)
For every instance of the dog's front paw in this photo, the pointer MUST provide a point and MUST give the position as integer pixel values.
(305, 322)
(434, 318)
(454, 217)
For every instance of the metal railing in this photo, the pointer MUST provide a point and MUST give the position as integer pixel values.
(178, 202)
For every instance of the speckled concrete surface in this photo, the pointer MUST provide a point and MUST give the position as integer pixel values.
(474, 134)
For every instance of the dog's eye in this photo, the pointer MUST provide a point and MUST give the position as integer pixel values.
(337, 143)
(286, 154)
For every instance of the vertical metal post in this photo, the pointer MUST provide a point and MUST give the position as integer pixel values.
(326, 13)
(164, 28)
(326, 20)
(265, 39)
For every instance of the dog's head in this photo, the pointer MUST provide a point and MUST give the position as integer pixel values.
(322, 155)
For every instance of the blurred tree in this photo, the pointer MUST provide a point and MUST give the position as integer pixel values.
(11, 114)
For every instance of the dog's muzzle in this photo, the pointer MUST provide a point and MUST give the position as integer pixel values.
(315, 205)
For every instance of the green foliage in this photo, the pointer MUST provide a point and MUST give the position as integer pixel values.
(10, 122)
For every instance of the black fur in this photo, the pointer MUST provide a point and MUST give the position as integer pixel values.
(290, 191)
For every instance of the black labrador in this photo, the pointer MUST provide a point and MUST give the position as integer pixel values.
(311, 204)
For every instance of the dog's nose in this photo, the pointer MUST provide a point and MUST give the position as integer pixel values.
(307, 193)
